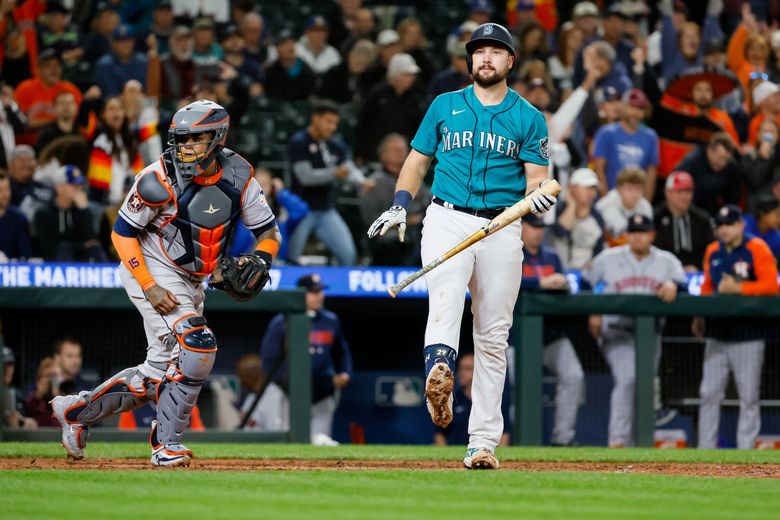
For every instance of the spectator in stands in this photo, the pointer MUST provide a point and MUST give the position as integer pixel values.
(766, 106)
(19, 51)
(289, 209)
(14, 228)
(681, 228)
(313, 47)
(613, 35)
(391, 106)
(543, 270)
(627, 143)
(454, 77)
(773, 65)
(716, 175)
(362, 26)
(122, 64)
(760, 163)
(766, 222)
(480, 11)
(36, 96)
(143, 119)
(65, 110)
(12, 409)
(64, 229)
(97, 42)
(387, 43)
(585, 17)
(561, 64)
(68, 357)
(626, 199)
(341, 20)
(681, 47)
(331, 359)
(21, 169)
(345, 82)
(318, 160)
(247, 68)
(172, 76)
(748, 50)
(206, 52)
(578, 233)
(288, 78)
(736, 263)
(252, 31)
(533, 44)
(387, 250)
(412, 41)
(46, 387)
(612, 75)
(637, 267)
(163, 23)
(13, 122)
(457, 432)
(59, 34)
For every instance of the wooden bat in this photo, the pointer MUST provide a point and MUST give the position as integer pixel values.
(509, 215)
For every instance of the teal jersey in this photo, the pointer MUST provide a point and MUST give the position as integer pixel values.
(481, 151)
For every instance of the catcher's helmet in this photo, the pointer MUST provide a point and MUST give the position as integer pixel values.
(489, 33)
(198, 117)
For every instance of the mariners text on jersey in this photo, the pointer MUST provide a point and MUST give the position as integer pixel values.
(481, 150)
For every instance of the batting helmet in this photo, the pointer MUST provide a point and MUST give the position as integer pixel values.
(198, 117)
(489, 33)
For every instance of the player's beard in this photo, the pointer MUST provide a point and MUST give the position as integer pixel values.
(489, 81)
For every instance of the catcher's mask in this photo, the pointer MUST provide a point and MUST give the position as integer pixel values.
(198, 117)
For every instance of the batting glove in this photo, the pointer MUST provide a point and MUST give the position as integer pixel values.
(541, 202)
(395, 216)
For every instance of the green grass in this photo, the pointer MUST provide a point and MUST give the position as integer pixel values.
(99, 449)
(381, 494)
(391, 494)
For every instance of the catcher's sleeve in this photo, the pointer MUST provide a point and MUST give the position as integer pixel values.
(129, 251)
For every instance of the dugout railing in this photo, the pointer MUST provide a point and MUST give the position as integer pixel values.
(38, 303)
(528, 332)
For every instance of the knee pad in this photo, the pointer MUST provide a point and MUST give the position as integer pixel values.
(125, 391)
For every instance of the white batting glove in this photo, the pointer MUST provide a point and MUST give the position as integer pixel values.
(395, 216)
(541, 202)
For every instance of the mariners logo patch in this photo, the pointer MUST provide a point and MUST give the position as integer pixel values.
(134, 203)
(488, 29)
(544, 148)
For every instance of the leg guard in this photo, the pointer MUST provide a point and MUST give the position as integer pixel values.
(192, 361)
(125, 391)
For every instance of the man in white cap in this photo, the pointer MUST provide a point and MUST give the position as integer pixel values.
(578, 233)
(585, 16)
(391, 106)
(766, 105)
(387, 43)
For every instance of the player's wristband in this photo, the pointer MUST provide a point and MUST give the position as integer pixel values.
(402, 198)
(267, 250)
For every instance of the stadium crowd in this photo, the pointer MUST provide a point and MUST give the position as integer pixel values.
(667, 110)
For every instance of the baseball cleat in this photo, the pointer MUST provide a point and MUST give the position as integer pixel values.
(169, 455)
(480, 458)
(74, 435)
(439, 382)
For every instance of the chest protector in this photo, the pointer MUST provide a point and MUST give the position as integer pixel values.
(196, 237)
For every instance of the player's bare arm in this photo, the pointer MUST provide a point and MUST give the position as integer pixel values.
(409, 180)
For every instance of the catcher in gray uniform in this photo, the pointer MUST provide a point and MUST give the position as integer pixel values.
(171, 233)
(635, 268)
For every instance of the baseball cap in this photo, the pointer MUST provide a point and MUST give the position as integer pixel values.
(766, 204)
(181, 31)
(585, 9)
(23, 150)
(481, 6)
(8, 356)
(402, 63)
(636, 98)
(311, 282)
(230, 31)
(584, 177)
(713, 46)
(763, 90)
(203, 23)
(56, 7)
(49, 53)
(123, 32)
(316, 21)
(639, 222)
(620, 10)
(534, 221)
(387, 37)
(164, 4)
(538, 83)
(69, 174)
(728, 214)
(679, 180)
(469, 26)
(283, 36)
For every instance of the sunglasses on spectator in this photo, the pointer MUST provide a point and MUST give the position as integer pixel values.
(759, 75)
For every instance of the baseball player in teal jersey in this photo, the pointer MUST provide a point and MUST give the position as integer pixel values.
(491, 150)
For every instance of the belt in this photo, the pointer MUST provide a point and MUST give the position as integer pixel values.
(482, 213)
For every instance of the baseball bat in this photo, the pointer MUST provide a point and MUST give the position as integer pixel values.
(509, 215)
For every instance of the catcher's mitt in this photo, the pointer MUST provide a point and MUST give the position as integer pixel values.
(242, 280)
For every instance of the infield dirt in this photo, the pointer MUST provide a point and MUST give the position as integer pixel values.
(661, 468)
